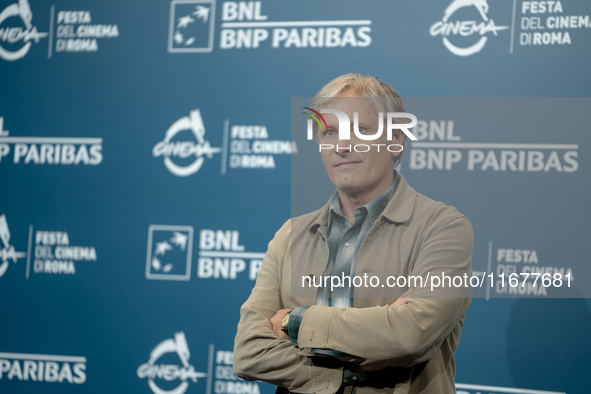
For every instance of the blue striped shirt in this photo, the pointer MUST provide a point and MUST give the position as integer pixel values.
(344, 241)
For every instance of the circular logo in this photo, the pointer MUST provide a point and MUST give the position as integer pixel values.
(466, 28)
(183, 149)
(152, 369)
(15, 34)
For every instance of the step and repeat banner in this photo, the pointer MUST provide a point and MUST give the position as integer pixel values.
(147, 157)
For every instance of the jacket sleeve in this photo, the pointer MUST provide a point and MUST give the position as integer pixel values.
(259, 354)
(411, 333)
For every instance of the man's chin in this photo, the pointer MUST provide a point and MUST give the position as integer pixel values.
(350, 188)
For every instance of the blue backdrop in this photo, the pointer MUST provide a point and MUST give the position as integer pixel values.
(146, 162)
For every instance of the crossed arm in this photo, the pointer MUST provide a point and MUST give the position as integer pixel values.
(405, 334)
(276, 321)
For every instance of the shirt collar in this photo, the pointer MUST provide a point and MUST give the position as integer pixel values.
(374, 208)
(399, 210)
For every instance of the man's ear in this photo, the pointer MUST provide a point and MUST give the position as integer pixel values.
(398, 138)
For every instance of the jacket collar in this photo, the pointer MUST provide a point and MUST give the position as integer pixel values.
(398, 210)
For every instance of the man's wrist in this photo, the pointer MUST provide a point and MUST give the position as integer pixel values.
(285, 323)
(295, 320)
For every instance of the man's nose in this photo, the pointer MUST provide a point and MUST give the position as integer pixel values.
(346, 146)
(343, 146)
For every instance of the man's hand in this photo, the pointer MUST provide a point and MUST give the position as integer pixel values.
(276, 323)
(404, 298)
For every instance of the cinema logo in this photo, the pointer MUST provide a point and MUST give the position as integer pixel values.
(7, 253)
(251, 148)
(466, 28)
(344, 131)
(443, 150)
(12, 35)
(43, 368)
(153, 370)
(55, 255)
(184, 150)
(168, 370)
(76, 32)
(50, 150)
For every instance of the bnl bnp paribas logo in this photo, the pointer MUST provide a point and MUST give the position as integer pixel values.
(245, 26)
(191, 26)
(49, 150)
(170, 254)
(42, 368)
(458, 34)
(17, 31)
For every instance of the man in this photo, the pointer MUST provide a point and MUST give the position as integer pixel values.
(389, 339)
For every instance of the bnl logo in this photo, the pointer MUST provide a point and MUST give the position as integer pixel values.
(221, 256)
(170, 251)
(191, 26)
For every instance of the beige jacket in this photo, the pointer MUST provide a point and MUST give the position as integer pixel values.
(414, 343)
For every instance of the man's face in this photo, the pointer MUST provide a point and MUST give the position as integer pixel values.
(358, 173)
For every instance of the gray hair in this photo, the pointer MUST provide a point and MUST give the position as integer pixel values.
(382, 97)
